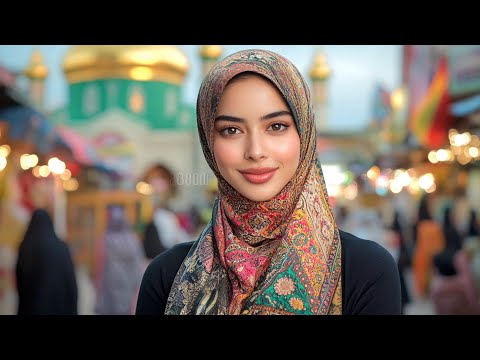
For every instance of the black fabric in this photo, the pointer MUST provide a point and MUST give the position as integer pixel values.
(152, 244)
(45, 272)
(6, 98)
(404, 258)
(444, 263)
(423, 210)
(370, 279)
(453, 240)
(473, 229)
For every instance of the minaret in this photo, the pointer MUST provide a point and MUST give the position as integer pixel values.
(210, 55)
(36, 72)
(320, 74)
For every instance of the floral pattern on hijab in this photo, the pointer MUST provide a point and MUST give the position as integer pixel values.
(281, 256)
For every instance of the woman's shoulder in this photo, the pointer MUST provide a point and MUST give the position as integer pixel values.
(170, 260)
(370, 278)
(365, 255)
(158, 279)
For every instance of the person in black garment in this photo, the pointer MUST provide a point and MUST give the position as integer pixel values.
(272, 245)
(45, 272)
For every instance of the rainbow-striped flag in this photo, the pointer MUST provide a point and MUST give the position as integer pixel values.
(430, 119)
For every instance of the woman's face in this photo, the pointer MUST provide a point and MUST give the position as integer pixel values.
(256, 144)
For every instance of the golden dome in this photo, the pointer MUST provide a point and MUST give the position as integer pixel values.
(138, 62)
(211, 51)
(36, 69)
(320, 69)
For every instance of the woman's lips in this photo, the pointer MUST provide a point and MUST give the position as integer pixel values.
(258, 176)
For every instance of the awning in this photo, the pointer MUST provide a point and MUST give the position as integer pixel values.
(465, 107)
(29, 126)
(81, 148)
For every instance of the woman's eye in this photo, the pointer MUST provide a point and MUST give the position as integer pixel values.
(229, 131)
(279, 127)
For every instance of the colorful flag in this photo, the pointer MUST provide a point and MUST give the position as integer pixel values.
(430, 119)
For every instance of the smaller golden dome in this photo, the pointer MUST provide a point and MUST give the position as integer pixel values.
(211, 51)
(36, 69)
(320, 69)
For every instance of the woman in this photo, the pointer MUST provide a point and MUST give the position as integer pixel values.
(272, 246)
(453, 240)
(122, 267)
(403, 261)
(45, 272)
(453, 290)
(430, 242)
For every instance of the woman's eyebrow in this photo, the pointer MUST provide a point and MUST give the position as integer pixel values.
(276, 114)
(264, 117)
(229, 118)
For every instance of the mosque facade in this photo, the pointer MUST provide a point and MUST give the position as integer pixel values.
(127, 100)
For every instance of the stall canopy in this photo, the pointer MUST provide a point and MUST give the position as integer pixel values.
(466, 106)
(29, 126)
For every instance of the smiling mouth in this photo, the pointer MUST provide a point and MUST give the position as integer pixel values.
(258, 176)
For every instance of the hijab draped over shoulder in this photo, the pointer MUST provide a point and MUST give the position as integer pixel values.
(281, 256)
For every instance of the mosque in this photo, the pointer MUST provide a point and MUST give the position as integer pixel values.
(128, 101)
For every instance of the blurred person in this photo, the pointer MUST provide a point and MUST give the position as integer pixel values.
(473, 226)
(459, 223)
(455, 285)
(121, 264)
(430, 241)
(464, 217)
(453, 240)
(272, 245)
(461, 215)
(45, 272)
(403, 262)
(152, 245)
(164, 230)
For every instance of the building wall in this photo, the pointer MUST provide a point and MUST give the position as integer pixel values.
(156, 104)
(176, 149)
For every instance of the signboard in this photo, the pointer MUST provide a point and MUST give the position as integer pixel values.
(464, 68)
(115, 151)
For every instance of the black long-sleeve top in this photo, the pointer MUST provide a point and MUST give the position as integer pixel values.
(370, 279)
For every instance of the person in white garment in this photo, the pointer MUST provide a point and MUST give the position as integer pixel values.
(164, 230)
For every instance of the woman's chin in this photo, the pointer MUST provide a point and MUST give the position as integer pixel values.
(259, 196)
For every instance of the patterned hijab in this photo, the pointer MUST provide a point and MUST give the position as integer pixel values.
(281, 256)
